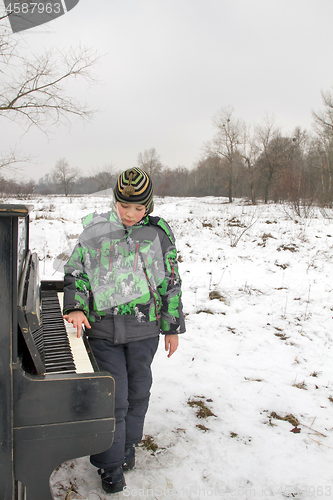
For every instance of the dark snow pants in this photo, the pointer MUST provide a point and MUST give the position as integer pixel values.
(130, 366)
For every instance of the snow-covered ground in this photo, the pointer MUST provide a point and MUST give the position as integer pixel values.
(259, 355)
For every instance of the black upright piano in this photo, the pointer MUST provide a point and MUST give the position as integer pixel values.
(50, 411)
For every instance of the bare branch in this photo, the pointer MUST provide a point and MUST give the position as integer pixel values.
(11, 161)
(105, 178)
(35, 91)
(150, 162)
(324, 119)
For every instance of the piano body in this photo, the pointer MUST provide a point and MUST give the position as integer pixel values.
(50, 410)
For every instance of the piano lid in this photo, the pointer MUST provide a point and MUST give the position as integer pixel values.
(14, 210)
(28, 311)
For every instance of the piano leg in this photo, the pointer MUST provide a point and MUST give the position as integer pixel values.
(42, 492)
(19, 491)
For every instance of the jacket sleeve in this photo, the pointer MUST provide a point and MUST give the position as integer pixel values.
(172, 317)
(77, 285)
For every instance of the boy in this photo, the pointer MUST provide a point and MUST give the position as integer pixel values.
(122, 284)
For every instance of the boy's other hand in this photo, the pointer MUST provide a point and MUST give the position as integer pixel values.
(171, 343)
(77, 318)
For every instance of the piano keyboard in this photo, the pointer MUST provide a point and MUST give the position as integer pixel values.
(63, 351)
(57, 352)
(78, 348)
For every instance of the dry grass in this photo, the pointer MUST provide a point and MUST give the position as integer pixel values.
(202, 409)
(288, 418)
(148, 444)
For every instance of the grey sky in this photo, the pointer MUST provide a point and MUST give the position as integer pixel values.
(168, 65)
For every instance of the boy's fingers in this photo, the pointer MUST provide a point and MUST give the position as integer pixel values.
(77, 322)
(172, 350)
(171, 344)
(86, 323)
(79, 326)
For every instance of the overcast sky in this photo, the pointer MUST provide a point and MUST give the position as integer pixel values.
(167, 66)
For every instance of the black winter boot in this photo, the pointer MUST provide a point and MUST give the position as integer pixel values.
(129, 461)
(113, 480)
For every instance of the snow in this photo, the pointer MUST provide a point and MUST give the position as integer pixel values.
(258, 353)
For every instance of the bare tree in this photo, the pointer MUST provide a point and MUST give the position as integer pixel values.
(149, 161)
(268, 140)
(64, 175)
(33, 87)
(226, 142)
(105, 178)
(206, 178)
(12, 187)
(250, 151)
(323, 149)
(323, 120)
(300, 149)
(323, 126)
(46, 185)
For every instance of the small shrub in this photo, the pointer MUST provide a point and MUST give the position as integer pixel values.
(149, 444)
(206, 311)
(202, 427)
(301, 385)
(291, 247)
(234, 222)
(288, 418)
(214, 294)
(281, 336)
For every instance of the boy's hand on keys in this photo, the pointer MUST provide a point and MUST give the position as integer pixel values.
(77, 318)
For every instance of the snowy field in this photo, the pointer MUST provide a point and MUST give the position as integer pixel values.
(244, 408)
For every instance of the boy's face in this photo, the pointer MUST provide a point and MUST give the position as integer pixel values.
(130, 213)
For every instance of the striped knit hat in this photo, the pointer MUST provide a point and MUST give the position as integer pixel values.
(135, 186)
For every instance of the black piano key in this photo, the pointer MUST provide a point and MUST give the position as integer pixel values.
(57, 352)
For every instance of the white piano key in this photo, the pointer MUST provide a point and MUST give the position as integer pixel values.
(79, 351)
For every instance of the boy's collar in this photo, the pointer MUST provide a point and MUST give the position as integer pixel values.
(114, 217)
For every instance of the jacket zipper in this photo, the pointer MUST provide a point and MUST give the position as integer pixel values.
(110, 265)
(152, 291)
(98, 256)
(136, 256)
(172, 271)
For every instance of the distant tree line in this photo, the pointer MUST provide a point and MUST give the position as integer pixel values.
(256, 162)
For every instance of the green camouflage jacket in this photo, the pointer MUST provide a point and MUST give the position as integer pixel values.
(125, 279)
